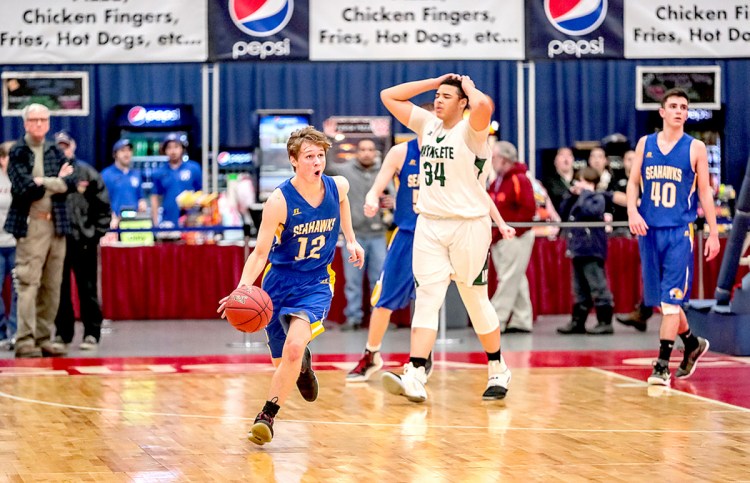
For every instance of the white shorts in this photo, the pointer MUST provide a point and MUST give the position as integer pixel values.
(451, 249)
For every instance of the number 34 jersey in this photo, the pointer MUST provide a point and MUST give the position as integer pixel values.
(668, 184)
(307, 241)
(454, 165)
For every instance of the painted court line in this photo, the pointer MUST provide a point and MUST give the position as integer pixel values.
(372, 424)
(672, 390)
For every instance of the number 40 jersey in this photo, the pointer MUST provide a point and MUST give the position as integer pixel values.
(668, 184)
(307, 241)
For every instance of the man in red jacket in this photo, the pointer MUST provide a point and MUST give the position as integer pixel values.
(514, 197)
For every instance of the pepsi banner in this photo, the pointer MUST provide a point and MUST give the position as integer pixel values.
(574, 29)
(694, 29)
(258, 30)
(125, 31)
(423, 30)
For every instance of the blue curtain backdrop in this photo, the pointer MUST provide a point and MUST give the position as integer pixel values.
(575, 100)
(589, 100)
(345, 89)
(110, 85)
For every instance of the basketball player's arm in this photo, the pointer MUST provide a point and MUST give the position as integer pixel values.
(506, 230)
(274, 214)
(635, 221)
(396, 98)
(706, 196)
(480, 112)
(356, 252)
(392, 164)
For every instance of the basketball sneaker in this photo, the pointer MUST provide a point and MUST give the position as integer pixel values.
(498, 380)
(410, 384)
(262, 430)
(307, 382)
(370, 363)
(660, 375)
(690, 361)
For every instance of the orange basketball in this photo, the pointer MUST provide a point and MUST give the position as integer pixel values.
(249, 309)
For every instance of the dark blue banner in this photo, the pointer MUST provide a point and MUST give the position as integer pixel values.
(258, 30)
(574, 29)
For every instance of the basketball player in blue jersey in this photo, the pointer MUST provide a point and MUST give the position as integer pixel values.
(298, 234)
(395, 289)
(670, 166)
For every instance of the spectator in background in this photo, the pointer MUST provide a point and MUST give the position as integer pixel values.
(7, 255)
(370, 232)
(171, 179)
(40, 179)
(598, 160)
(513, 194)
(89, 213)
(618, 186)
(559, 183)
(588, 249)
(123, 183)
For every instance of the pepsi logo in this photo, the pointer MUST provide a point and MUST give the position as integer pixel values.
(576, 17)
(261, 18)
(222, 158)
(137, 115)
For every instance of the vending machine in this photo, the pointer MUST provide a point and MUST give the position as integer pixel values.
(234, 163)
(146, 126)
(274, 128)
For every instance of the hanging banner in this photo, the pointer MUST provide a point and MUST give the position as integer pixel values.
(570, 29)
(258, 30)
(423, 30)
(695, 29)
(90, 32)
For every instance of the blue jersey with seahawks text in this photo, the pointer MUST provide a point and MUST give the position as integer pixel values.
(307, 241)
(668, 184)
(405, 216)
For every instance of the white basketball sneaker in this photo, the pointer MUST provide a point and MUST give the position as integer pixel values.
(498, 381)
(410, 384)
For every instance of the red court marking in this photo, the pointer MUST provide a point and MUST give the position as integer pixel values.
(721, 378)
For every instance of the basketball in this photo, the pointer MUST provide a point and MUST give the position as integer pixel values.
(249, 309)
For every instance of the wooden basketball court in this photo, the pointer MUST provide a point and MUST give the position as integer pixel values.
(186, 419)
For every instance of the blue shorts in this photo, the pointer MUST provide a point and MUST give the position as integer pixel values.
(667, 265)
(396, 289)
(293, 292)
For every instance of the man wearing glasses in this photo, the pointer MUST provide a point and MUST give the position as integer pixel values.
(40, 180)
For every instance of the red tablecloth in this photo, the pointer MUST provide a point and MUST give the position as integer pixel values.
(174, 281)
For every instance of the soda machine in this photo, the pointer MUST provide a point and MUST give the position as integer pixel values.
(146, 126)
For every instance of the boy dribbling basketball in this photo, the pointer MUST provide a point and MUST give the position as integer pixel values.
(298, 234)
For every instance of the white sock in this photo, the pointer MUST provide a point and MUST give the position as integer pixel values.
(374, 348)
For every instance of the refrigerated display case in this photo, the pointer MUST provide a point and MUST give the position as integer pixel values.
(238, 162)
(146, 126)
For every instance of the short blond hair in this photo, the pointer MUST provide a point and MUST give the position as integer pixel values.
(309, 135)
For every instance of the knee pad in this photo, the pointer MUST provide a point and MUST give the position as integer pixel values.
(430, 298)
(477, 302)
(670, 309)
